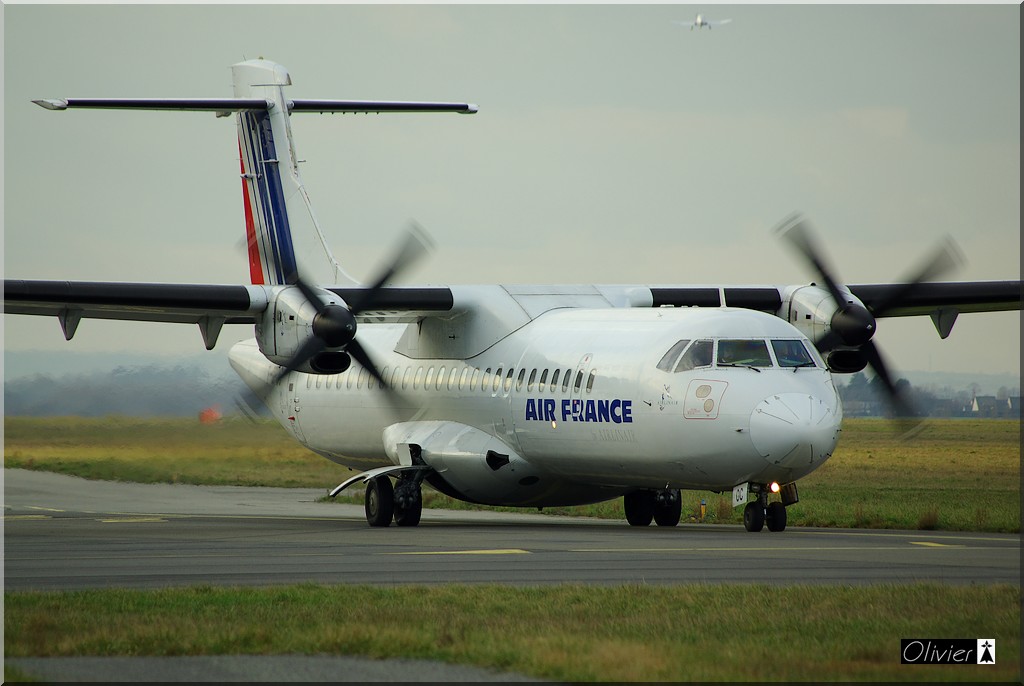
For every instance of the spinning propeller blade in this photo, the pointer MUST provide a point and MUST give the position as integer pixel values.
(853, 325)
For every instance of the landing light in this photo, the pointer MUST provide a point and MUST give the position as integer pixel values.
(774, 487)
(554, 425)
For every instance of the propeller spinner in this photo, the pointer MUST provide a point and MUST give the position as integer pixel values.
(333, 329)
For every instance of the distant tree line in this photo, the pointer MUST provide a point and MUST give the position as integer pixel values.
(868, 398)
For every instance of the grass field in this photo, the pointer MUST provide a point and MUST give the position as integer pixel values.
(569, 633)
(956, 474)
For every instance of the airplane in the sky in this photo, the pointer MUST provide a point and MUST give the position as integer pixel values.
(521, 395)
(700, 22)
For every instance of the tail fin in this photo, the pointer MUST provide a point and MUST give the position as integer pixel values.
(281, 229)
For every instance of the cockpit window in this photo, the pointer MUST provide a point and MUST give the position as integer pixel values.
(673, 353)
(743, 353)
(698, 355)
(792, 353)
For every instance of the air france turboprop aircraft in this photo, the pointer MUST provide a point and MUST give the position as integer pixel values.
(529, 396)
(700, 22)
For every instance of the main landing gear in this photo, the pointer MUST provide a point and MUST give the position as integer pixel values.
(664, 507)
(402, 502)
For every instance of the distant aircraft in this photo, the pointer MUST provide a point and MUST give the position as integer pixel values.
(526, 395)
(700, 22)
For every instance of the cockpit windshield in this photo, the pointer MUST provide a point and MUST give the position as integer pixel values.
(686, 355)
(792, 353)
(697, 355)
(752, 353)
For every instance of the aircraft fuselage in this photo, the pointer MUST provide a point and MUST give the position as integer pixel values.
(576, 402)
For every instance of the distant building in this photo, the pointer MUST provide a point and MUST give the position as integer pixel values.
(991, 407)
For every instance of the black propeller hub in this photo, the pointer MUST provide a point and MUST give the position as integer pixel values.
(335, 326)
(853, 324)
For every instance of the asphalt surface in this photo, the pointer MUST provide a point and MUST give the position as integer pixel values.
(63, 533)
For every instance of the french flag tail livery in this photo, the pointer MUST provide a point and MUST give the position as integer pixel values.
(281, 229)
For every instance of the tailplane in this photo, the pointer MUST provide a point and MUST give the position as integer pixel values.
(282, 232)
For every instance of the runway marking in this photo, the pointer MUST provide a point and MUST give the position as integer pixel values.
(507, 551)
(8, 517)
(748, 549)
(45, 509)
(131, 520)
(847, 532)
(930, 544)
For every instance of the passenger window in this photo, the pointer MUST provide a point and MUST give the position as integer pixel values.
(508, 380)
(521, 379)
(418, 378)
(565, 380)
(430, 379)
(462, 378)
(394, 377)
(383, 376)
(533, 377)
(743, 353)
(486, 380)
(590, 380)
(792, 353)
(452, 377)
(440, 377)
(669, 359)
(698, 355)
(497, 381)
(579, 381)
(543, 380)
(405, 378)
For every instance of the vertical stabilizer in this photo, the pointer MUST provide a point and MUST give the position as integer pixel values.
(282, 233)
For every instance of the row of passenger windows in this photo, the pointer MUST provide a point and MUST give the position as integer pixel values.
(686, 355)
(462, 378)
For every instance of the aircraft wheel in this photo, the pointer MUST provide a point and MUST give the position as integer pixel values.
(776, 517)
(639, 507)
(753, 517)
(408, 503)
(668, 508)
(380, 501)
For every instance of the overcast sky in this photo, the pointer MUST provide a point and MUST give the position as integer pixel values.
(611, 146)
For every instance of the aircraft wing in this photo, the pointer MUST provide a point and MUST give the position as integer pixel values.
(718, 22)
(926, 298)
(209, 306)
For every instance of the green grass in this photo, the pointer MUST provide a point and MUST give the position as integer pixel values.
(956, 474)
(570, 632)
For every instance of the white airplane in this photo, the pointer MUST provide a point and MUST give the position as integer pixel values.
(531, 396)
(700, 22)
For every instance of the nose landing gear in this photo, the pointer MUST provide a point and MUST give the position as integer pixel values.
(760, 512)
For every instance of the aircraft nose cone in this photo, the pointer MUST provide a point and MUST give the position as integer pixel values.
(793, 429)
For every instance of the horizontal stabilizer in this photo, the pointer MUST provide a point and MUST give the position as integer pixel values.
(227, 105)
(178, 104)
(367, 106)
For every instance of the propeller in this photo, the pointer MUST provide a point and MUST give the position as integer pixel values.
(853, 325)
(334, 326)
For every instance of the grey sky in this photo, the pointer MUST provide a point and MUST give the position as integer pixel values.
(611, 146)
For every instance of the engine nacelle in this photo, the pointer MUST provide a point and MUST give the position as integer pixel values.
(287, 323)
(473, 464)
(812, 310)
